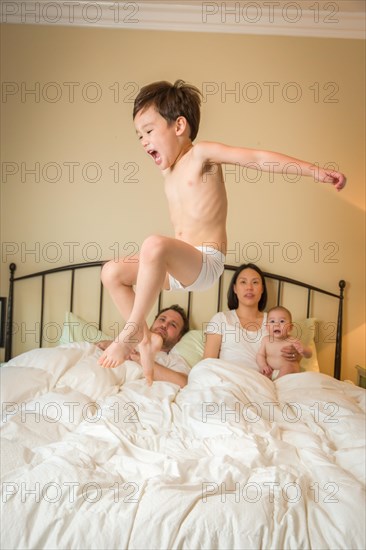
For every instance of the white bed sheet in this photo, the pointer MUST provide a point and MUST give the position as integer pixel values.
(94, 458)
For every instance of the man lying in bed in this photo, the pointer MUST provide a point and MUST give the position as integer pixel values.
(171, 324)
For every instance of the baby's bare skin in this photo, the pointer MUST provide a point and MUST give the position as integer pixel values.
(274, 357)
(270, 355)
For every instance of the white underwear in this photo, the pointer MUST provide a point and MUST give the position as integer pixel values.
(212, 267)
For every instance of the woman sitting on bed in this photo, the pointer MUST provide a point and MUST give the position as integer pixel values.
(235, 335)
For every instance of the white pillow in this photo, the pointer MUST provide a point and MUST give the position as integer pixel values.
(305, 330)
(76, 329)
(191, 347)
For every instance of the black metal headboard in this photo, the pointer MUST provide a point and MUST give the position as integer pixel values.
(281, 280)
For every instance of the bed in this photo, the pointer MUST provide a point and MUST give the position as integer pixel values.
(97, 459)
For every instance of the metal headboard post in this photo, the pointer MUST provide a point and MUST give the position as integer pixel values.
(9, 316)
(279, 292)
(72, 284)
(100, 306)
(338, 350)
(42, 312)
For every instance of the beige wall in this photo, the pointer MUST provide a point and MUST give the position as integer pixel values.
(55, 129)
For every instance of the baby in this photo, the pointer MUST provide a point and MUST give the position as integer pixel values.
(269, 357)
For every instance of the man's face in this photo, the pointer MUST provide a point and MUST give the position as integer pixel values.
(168, 325)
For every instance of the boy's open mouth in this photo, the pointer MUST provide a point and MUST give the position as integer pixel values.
(155, 155)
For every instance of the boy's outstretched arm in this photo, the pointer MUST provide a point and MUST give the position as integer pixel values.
(268, 161)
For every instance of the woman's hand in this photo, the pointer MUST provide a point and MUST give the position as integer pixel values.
(290, 353)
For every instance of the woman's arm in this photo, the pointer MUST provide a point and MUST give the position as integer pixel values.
(212, 346)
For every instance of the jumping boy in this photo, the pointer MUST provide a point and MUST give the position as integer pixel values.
(166, 118)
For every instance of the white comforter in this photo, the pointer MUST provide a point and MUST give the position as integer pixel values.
(95, 459)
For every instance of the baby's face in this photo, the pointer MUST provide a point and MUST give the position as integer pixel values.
(156, 136)
(279, 324)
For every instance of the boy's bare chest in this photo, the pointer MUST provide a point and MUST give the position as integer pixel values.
(182, 188)
(191, 179)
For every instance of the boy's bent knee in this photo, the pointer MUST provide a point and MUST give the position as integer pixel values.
(153, 246)
(121, 272)
(108, 272)
(112, 272)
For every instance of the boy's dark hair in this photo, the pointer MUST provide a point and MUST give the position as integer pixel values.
(181, 312)
(172, 101)
(232, 299)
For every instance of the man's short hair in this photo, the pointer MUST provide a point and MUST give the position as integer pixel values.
(172, 101)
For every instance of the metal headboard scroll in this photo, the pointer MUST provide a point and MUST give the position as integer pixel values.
(74, 267)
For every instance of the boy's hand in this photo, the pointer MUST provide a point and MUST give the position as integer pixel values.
(304, 351)
(267, 371)
(299, 347)
(331, 176)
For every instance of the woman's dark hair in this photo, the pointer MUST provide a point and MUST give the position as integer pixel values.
(232, 299)
(172, 101)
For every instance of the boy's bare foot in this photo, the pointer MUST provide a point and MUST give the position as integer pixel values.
(150, 345)
(103, 344)
(119, 350)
